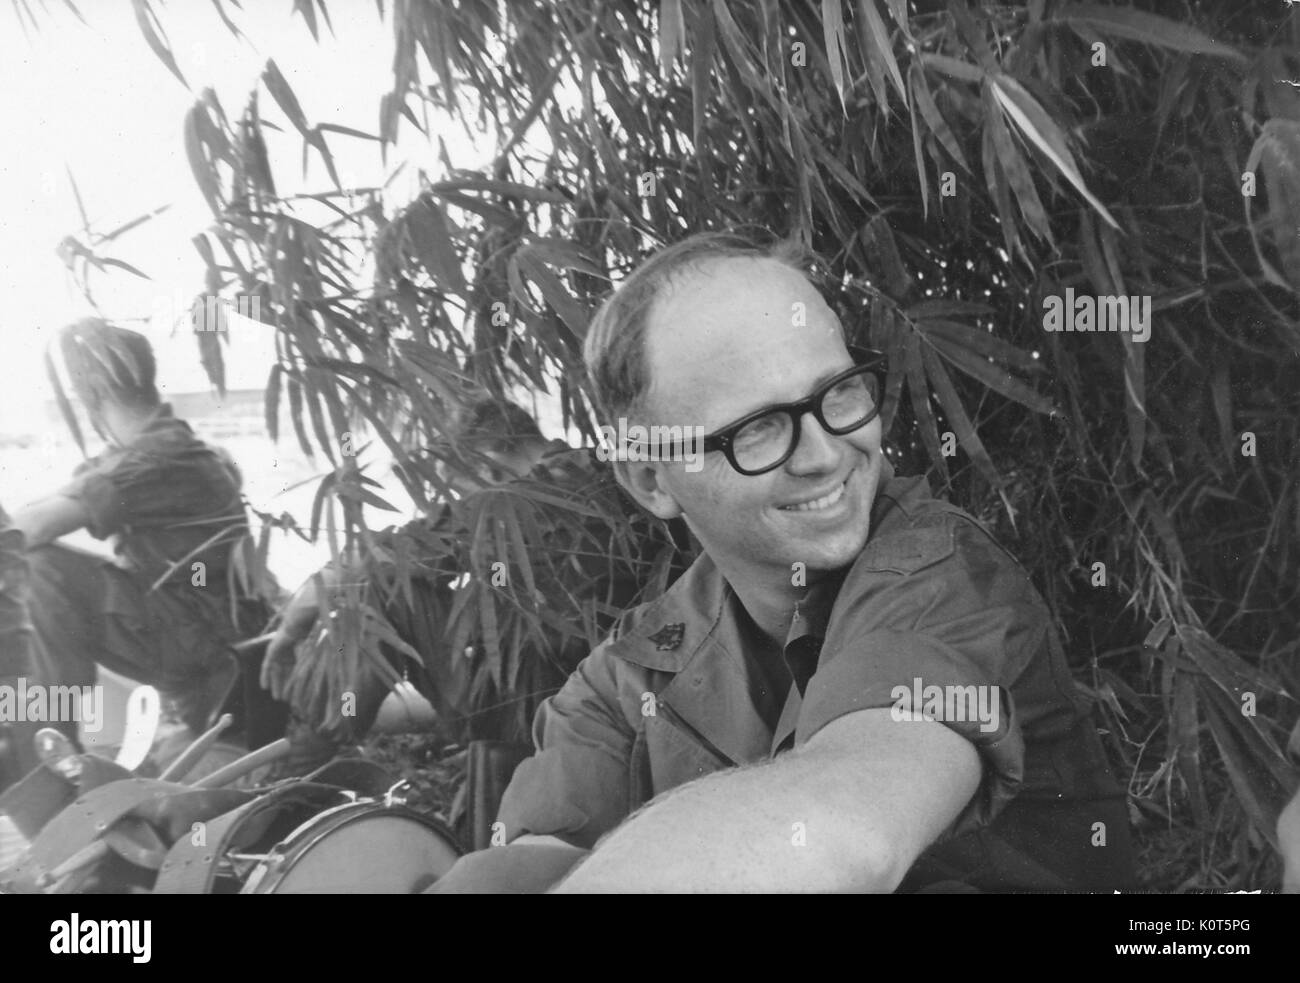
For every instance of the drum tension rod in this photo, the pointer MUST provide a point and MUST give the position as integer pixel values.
(254, 857)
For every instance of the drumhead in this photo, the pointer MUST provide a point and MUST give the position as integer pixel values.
(358, 848)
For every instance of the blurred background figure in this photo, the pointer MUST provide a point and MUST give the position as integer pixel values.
(15, 759)
(496, 445)
(165, 608)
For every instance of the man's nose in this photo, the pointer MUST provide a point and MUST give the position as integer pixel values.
(817, 451)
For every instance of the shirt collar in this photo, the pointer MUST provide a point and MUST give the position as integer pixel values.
(667, 633)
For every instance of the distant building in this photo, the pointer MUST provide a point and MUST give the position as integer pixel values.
(237, 414)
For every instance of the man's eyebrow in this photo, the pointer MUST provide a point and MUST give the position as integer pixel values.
(822, 379)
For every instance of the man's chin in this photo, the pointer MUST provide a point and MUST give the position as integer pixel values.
(836, 558)
(833, 546)
(830, 553)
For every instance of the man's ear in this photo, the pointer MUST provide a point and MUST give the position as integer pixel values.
(643, 480)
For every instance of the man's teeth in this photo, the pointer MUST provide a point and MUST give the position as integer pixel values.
(825, 502)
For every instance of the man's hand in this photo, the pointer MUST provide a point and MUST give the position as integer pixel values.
(296, 621)
(529, 865)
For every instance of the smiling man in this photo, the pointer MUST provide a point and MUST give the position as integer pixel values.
(745, 731)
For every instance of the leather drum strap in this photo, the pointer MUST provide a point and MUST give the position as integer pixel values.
(43, 792)
(77, 826)
(191, 868)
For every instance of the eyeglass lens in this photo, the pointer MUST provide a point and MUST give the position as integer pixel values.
(844, 407)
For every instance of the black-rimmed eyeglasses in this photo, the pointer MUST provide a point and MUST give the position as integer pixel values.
(765, 439)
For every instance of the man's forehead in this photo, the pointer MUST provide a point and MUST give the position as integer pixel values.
(741, 283)
(735, 328)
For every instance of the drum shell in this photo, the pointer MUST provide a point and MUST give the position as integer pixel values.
(363, 847)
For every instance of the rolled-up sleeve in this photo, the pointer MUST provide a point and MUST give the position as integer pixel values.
(576, 786)
(939, 612)
(170, 477)
(102, 501)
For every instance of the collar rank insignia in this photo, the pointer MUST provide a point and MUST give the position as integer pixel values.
(669, 637)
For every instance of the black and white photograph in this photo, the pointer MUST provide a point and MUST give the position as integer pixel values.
(745, 447)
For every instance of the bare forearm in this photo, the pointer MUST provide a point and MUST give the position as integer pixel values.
(46, 519)
(784, 826)
(849, 811)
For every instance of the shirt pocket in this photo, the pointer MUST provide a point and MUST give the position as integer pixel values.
(675, 757)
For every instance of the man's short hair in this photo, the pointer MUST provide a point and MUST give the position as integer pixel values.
(491, 424)
(108, 362)
(615, 350)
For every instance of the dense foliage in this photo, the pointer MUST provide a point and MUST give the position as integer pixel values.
(957, 166)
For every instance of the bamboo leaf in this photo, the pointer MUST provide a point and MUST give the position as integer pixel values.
(1018, 176)
(346, 131)
(271, 402)
(156, 38)
(134, 223)
(836, 53)
(879, 46)
(980, 342)
(312, 398)
(972, 33)
(284, 97)
(1135, 409)
(995, 377)
(225, 19)
(81, 205)
(1185, 730)
(531, 114)
(1279, 154)
(1094, 265)
(931, 308)
(1137, 25)
(563, 255)
(308, 12)
(1246, 758)
(557, 295)
(919, 391)
(734, 41)
(702, 52)
(897, 360)
(505, 189)
(210, 357)
(915, 119)
(997, 182)
(1221, 396)
(1041, 130)
(295, 415)
(427, 226)
(962, 71)
(108, 261)
(924, 101)
(204, 175)
(65, 406)
(956, 414)
(317, 139)
(672, 31)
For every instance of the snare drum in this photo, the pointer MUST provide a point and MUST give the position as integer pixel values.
(363, 847)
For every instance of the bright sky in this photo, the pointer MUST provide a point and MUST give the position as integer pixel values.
(96, 99)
